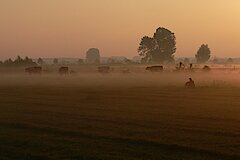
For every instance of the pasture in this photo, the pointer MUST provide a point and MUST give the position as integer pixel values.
(120, 116)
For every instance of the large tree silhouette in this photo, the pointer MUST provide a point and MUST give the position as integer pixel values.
(93, 56)
(159, 48)
(203, 54)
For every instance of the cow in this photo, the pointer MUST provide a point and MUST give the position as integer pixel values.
(126, 71)
(206, 68)
(190, 83)
(155, 68)
(33, 70)
(72, 72)
(63, 70)
(103, 69)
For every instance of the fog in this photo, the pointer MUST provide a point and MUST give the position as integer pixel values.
(138, 77)
(130, 114)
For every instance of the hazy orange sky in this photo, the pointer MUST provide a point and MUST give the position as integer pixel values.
(67, 28)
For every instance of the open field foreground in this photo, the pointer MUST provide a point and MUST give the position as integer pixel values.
(136, 116)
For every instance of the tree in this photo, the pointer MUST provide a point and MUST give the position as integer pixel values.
(127, 61)
(229, 60)
(159, 48)
(19, 62)
(40, 61)
(55, 61)
(8, 62)
(93, 56)
(111, 60)
(186, 61)
(28, 61)
(203, 54)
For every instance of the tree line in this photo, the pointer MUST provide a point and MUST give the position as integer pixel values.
(162, 46)
(18, 62)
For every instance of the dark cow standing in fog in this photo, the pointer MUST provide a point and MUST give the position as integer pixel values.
(126, 71)
(206, 68)
(103, 69)
(72, 72)
(63, 70)
(155, 68)
(34, 70)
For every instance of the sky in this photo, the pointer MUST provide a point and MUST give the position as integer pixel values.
(68, 28)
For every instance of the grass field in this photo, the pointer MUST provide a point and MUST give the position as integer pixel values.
(119, 117)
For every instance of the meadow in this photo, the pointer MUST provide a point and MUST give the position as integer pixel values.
(120, 116)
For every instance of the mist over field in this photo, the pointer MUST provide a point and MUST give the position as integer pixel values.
(139, 115)
(88, 76)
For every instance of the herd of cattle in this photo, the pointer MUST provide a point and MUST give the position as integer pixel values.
(106, 69)
(63, 70)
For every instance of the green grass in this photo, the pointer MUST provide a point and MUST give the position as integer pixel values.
(89, 119)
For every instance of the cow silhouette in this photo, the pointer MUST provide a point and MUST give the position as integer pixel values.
(72, 72)
(63, 70)
(191, 66)
(126, 71)
(33, 70)
(155, 68)
(104, 69)
(206, 68)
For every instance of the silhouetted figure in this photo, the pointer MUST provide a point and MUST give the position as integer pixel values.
(155, 68)
(191, 66)
(104, 69)
(180, 66)
(63, 70)
(190, 83)
(34, 70)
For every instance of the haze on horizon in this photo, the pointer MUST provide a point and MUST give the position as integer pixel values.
(67, 28)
